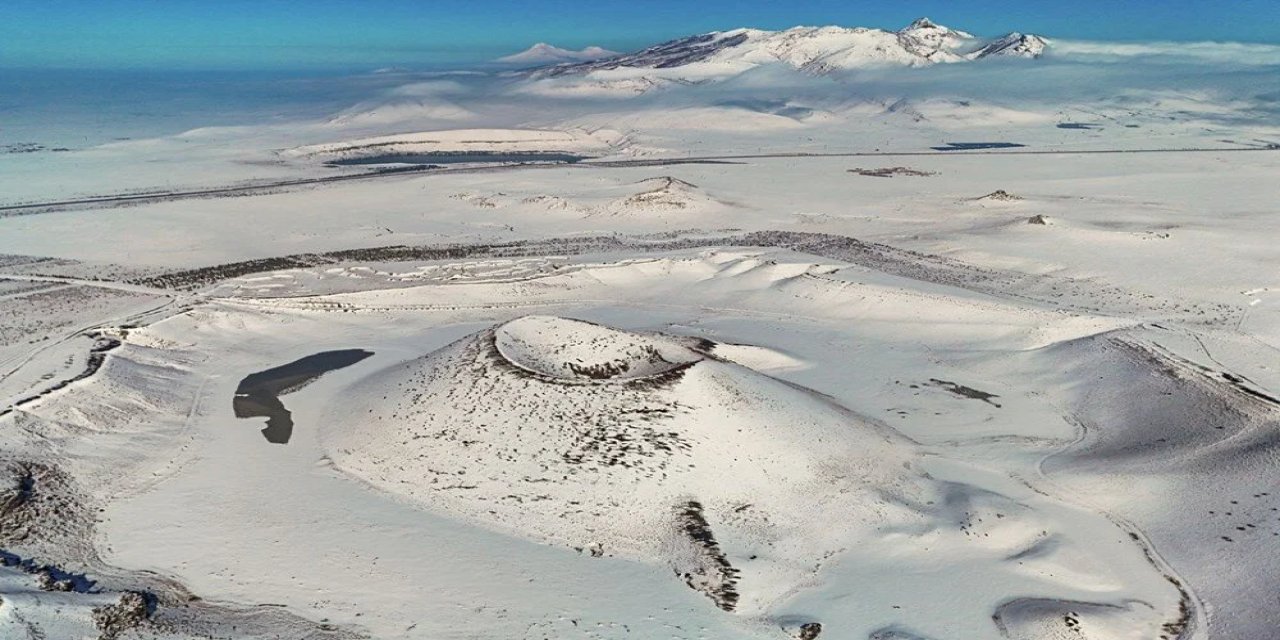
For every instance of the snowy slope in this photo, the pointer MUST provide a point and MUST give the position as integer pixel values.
(817, 50)
(651, 447)
(787, 506)
(1014, 44)
(461, 140)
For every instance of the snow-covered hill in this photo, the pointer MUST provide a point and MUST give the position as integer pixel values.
(1014, 44)
(543, 53)
(816, 50)
(661, 448)
(541, 425)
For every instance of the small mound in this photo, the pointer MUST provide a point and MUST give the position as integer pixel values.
(1000, 195)
(585, 352)
(668, 183)
(551, 203)
(665, 193)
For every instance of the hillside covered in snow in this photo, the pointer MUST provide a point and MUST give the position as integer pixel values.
(815, 50)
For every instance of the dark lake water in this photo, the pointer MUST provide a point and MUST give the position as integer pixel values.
(968, 146)
(258, 395)
(458, 158)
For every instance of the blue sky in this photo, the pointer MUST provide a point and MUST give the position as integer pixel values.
(364, 34)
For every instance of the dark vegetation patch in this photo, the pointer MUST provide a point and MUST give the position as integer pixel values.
(130, 611)
(810, 630)
(48, 577)
(602, 370)
(621, 442)
(1000, 194)
(614, 368)
(701, 345)
(631, 437)
(713, 575)
(966, 392)
(35, 502)
(889, 172)
(969, 146)
(433, 158)
(28, 147)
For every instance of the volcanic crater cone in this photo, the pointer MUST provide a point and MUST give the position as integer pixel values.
(655, 448)
(576, 351)
(626, 443)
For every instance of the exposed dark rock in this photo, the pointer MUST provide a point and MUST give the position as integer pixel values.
(889, 172)
(46, 580)
(711, 573)
(1000, 194)
(963, 391)
(128, 613)
(34, 502)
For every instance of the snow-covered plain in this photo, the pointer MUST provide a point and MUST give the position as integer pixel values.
(717, 380)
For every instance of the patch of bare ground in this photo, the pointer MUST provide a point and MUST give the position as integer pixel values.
(662, 193)
(1000, 195)
(965, 392)
(889, 172)
(703, 565)
(810, 630)
(127, 613)
(38, 504)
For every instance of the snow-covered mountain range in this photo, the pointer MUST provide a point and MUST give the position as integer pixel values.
(543, 54)
(817, 50)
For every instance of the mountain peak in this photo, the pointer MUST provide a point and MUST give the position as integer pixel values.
(543, 53)
(1015, 44)
(812, 50)
(923, 23)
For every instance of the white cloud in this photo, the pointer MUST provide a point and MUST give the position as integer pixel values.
(1211, 52)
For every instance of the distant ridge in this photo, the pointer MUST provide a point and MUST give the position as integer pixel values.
(816, 50)
(543, 53)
